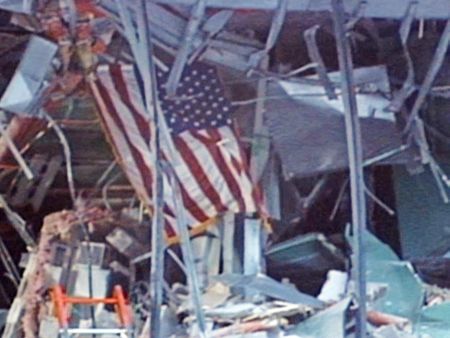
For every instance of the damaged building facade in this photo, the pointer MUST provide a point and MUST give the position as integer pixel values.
(222, 168)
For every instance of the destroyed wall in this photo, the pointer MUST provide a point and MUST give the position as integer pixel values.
(280, 70)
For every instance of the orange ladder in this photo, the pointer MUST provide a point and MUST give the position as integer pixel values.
(61, 301)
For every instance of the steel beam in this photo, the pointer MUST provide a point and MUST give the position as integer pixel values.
(148, 74)
(17, 222)
(275, 30)
(186, 248)
(436, 64)
(8, 263)
(389, 9)
(316, 57)
(186, 47)
(355, 159)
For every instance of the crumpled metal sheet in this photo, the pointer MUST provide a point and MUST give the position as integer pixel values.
(311, 139)
(19, 6)
(372, 85)
(394, 9)
(311, 251)
(421, 213)
(225, 48)
(309, 255)
(261, 284)
(434, 321)
(405, 294)
(26, 86)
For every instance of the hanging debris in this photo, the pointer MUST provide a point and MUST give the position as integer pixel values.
(210, 168)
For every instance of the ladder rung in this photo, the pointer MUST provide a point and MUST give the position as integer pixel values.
(94, 331)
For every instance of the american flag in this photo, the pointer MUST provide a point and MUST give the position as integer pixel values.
(210, 164)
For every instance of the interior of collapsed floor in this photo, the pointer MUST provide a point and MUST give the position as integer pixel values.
(181, 168)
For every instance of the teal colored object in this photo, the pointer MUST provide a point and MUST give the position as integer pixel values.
(404, 296)
(405, 293)
(434, 322)
(311, 250)
(423, 216)
(377, 250)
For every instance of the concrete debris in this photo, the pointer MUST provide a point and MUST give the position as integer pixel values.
(232, 312)
(263, 285)
(49, 327)
(335, 287)
(435, 295)
(249, 327)
(233, 305)
(215, 295)
(125, 243)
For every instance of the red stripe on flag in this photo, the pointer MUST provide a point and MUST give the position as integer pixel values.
(192, 206)
(216, 154)
(256, 189)
(137, 157)
(199, 174)
(122, 88)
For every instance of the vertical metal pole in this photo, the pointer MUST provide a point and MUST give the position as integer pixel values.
(353, 134)
(8, 263)
(188, 255)
(143, 52)
(260, 151)
(157, 260)
(228, 226)
(252, 247)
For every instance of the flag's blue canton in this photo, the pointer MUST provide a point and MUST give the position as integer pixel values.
(200, 102)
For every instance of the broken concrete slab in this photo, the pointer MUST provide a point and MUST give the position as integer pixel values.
(49, 327)
(215, 295)
(125, 243)
(335, 287)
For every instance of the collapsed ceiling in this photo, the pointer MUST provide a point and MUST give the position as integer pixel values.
(87, 87)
